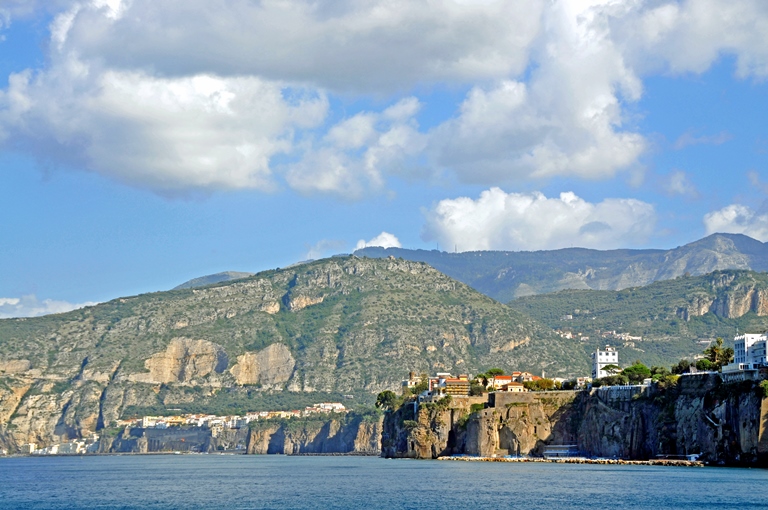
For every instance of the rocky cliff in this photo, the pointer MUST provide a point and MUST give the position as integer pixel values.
(341, 326)
(351, 434)
(726, 423)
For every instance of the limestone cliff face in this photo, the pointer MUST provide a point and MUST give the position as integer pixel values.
(271, 366)
(427, 431)
(725, 423)
(338, 435)
(184, 361)
(727, 298)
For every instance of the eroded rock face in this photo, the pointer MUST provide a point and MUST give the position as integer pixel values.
(271, 366)
(17, 366)
(300, 302)
(184, 360)
(332, 436)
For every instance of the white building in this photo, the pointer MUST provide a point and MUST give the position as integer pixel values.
(748, 353)
(610, 356)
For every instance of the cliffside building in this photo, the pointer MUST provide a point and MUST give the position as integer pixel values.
(749, 353)
(610, 356)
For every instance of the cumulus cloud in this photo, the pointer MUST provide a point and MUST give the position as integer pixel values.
(566, 120)
(352, 157)
(383, 240)
(162, 133)
(530, 221)
(739, 219)
(344, 45)
(222, 94)
(30, 306)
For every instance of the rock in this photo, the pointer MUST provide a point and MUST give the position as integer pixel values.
(14, 366)
(185, 359)
(269, 367)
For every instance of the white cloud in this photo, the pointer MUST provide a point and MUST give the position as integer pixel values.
(168, 134)
(351, 159)
(324, 248)
(222, 94)
(738, 219)
(678, 183)
(688, 138)
(383, 240)
(567, 120)
(30, 306)
(345, 45)
(531, 221)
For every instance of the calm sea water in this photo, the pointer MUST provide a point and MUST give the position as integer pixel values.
(231, 482)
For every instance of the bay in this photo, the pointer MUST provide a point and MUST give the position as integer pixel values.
(285, 482)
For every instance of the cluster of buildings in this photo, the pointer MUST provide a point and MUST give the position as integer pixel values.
(444, 383)
(89, 444)
(215, 423)
(228, 422)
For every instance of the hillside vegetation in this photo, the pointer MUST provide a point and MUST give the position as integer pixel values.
(340, 326)
(675, 318)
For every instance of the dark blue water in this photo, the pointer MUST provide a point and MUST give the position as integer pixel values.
(214, 481)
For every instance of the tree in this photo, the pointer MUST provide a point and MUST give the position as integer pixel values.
(637, 373)
(476, 390)
(659, 372)
(495, 371)
(612, 369)
(703, 364)
(682, 366)
(388, 400)
(422, 386)
(718, 355)
(540, 385)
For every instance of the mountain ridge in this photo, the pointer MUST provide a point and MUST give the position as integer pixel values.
(505, 275)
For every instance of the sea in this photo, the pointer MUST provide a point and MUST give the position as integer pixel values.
(284, 482)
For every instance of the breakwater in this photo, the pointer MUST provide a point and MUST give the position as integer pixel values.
(579, 460)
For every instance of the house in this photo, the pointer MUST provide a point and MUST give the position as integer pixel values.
(497, 381)
(514, 386)
(600, 359)
(749, 353)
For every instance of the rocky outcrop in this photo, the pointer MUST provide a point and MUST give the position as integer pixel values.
(271, 366)
(17, 366)
(350, 434)
(428, 430)
(183, 361)
(725, 423)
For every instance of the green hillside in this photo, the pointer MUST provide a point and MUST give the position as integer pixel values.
(340, 326)
(675, 318)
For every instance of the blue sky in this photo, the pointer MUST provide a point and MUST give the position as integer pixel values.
(143, 144)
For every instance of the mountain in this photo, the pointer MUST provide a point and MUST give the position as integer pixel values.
(506, 275)
(281, 338)
(673, 318)
(202, 281)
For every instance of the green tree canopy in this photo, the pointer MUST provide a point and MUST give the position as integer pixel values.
(636, 373)
(495, 371)
(388, 400)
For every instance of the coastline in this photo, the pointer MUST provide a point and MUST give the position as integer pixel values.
(582, 460)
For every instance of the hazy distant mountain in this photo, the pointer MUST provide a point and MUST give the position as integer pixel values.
(505, 275)
(212, 278)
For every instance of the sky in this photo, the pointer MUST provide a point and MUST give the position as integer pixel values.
(146, 143)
